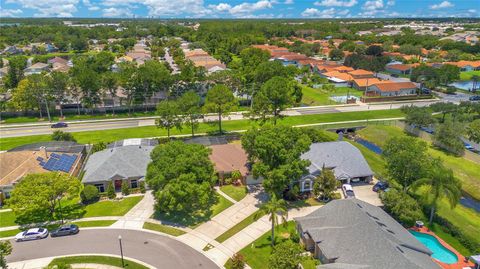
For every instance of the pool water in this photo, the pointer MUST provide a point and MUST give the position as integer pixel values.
(440, 252)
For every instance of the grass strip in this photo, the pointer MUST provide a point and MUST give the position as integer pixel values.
(114, 261)
(163, 228)
(239, 226)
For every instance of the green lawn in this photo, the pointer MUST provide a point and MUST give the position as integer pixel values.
(111, 208)
(235, 192)
(318, 97)
(239, 226)
(114, 261)
(7, 218)
(465, 170)
(465, 219)
(94, 223)
(467, 75)
(152, 131)
(258, 253)
(162, 228)
(17, 120)
(9, 233)
(193, 220)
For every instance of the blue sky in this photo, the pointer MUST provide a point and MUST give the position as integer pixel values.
(240, 8)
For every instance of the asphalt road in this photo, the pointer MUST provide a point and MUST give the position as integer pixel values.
(159, 251)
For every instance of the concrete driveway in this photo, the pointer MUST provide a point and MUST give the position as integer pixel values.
(159, 251)
(364, 192)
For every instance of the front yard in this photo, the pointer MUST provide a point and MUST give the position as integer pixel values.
(237, 193)
(111, 208)
(7, 218)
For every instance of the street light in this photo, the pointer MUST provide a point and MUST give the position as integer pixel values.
(121, 250)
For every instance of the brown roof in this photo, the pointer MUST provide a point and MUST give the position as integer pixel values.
(360, 72)
(394, 86)
(17, 164)
(344, 68)
(336, 74)
(57, 59)
(229, 157)
(474, 64)
(401, 67)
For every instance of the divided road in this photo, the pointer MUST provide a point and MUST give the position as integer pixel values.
(159, 251)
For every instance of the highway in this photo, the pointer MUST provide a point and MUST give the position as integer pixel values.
(18, 130)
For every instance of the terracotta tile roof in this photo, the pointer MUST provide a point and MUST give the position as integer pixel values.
(344, 68)
(461, 64)
(339, 75)
(229, 157)
(401, 67)
(394, 86)
(360, 72)
(364, 82)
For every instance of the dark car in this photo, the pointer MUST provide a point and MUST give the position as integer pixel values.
(380, 186)
(65, 230)
(59, 125)
(474, 98)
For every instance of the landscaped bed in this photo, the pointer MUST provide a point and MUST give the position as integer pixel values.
(107, 260)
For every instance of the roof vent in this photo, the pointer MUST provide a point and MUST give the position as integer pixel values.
(359, 205)
(390, 231)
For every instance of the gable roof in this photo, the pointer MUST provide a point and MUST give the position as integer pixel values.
(126, 161)
(339, 75)
(344, 158)
(357, 234)
(364, 82)
(38, 65)
(229, 157)
(394, 86)
(360, 72)
(401, 67)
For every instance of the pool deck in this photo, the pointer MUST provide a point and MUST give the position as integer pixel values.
(462, 261)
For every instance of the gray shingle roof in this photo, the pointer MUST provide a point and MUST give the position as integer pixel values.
(126, 162)
(345, 159)
(361, 235)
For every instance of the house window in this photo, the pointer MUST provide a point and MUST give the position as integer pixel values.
(307, 185)
(100, 187)
(134, 183)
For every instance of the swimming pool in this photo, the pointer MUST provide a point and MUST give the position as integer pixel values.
(440, 252)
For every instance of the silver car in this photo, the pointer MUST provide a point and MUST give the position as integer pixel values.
(348, 191)
(31, 234)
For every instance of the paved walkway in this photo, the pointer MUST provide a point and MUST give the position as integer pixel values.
(225, 195)
(141, 212)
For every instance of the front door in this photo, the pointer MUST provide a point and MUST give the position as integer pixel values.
(118, 185)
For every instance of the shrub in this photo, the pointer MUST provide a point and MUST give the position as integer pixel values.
(142, 187)
(125, 188)
(406, 212)
(99, 146)
(89, 194)
(285, 255)
(236, 175)
(62, 136)
(111, 190)
(238, 261)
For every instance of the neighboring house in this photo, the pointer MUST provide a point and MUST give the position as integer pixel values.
(466, 65)
(38, 158)
(363, 83)
(346, 161)
(12, 50)
(125, 161)
(350, 233)
(36, 68)
(390, 88)
(337, 77)
(228, 158)
(60, 67)
(360, 73)
(57, 60)
(400, 69)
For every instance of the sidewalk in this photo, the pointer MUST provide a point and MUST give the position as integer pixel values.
(141, 212)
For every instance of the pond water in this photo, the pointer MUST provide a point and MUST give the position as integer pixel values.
(469, 202)
(464, 85)
(369, 145)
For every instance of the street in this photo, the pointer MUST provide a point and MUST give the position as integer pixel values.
(159, 251)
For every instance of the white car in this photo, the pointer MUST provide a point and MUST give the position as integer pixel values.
(31, 234)
(348, 191)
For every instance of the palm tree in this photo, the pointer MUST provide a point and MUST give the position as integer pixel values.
(442, 184)
(275, 208)
(475, 79)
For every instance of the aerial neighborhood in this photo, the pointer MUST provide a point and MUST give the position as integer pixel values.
(226, 138)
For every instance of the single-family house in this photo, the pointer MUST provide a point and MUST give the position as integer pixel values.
(466, 65)
(57, 59)
(363, 83)
(390, 88)
(231, 157)
(36, 68)
(346, 161)
(352, 234)
(125, 161)
(399, 69)
(360, 73)
(337, 77)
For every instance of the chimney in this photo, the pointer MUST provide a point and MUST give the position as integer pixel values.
(43, 151)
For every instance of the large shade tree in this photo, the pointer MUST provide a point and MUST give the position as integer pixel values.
(220, 100)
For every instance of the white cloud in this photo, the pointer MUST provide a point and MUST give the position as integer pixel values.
(336, 3)
(117, 12)
(245, 8)
(10, 12)
(390, 3)
(221, 7)
(373, 5)
(315, 13)
(93, 8)
(288, 2)
(49, 8)
(472, 10)
(443, 4)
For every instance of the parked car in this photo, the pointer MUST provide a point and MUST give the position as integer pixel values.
(65, 230)
(380, 186)
(474, 98)
(348, 191)
(31, 234)
(469, 147)
(427, 129)
(59, 125)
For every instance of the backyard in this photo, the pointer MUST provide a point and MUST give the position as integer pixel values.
(467, 75)
(318, 97)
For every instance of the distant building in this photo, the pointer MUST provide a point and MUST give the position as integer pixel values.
(390, 88)
(36, 68)
(400, 69)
